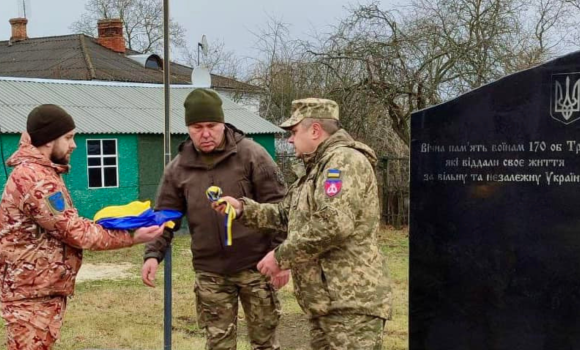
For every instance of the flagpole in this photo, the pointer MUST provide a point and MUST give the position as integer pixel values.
(167, 295)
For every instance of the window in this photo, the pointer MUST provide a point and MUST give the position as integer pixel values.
(102, 163)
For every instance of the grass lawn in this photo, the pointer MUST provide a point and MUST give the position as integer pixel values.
(124, 314)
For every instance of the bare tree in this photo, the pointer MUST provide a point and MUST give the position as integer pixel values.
(142, 21)
(287, 70)
(381, 65)
(273, 69)
(574, 10)
(219, 60)
(402, 61)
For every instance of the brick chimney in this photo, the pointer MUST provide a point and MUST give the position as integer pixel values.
(111, 34)
(18, 29)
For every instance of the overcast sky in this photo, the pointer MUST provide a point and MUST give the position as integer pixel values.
(228, 20)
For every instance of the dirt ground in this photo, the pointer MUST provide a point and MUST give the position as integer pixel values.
(91, 272)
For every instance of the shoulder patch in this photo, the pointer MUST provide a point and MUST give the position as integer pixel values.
(56, 202)
(332, 187)
(333, 174)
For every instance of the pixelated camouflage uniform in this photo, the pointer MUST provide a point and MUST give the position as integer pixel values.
(340, 276)
(225, 274)
(41, 248)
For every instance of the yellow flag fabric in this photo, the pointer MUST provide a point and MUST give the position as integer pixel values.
(134, 215)
(135, 208)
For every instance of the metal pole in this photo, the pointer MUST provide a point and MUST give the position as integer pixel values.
(167, 155)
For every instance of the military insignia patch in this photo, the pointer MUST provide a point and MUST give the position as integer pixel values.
(56, 202)
(333, 173)
(332, 187)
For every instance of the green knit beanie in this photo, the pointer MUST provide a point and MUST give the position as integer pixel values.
(203, 105)
(48, 122)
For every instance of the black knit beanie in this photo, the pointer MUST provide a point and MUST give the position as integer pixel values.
(203, 105)
(47, 123)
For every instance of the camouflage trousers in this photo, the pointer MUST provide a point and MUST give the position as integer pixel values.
(33, 324)
(217, 309)
(346, 332)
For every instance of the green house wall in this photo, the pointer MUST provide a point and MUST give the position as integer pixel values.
(151, 162)
(8, 144)
(267, 141)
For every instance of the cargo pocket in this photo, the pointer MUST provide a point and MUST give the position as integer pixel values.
(57, 306)
(264, 308)
(198, 307)
(311, 292)
(216, 302)
(275, 300)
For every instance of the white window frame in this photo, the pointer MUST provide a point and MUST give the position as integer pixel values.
(103, 166)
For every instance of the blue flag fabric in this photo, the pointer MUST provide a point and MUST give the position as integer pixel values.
(148, 217)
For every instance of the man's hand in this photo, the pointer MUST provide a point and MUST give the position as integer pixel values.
(148, 272)
(281, 279)
(268, 265)
(146, 234)
(220, 206)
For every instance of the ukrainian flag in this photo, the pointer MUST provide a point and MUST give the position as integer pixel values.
(134, 215)
(333, 173)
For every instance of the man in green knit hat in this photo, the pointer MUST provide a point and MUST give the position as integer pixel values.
(218, 154)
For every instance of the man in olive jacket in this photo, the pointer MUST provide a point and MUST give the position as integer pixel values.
(332, 217)
(218, 154)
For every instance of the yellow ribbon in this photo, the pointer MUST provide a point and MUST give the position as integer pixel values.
(214, 194)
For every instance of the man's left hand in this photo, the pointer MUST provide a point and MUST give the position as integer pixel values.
(281, 279)
(268, 265)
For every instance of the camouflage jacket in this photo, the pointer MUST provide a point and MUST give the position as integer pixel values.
(41, 234)
(332, 217)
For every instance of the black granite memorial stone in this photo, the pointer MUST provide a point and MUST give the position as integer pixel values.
(495, 215)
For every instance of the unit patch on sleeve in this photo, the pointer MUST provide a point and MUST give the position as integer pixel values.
(56, 202)
(333, 183)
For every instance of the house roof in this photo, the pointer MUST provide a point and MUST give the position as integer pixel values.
(112, 107)
(81, 57)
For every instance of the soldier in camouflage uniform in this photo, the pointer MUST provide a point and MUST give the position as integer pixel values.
(41, 234)
(218, 154)
(331, 214)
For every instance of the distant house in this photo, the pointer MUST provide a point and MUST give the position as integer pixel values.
(81, 57)
(119, 155)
